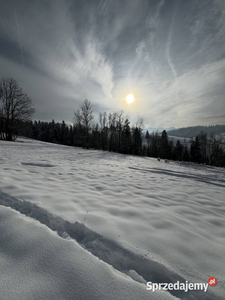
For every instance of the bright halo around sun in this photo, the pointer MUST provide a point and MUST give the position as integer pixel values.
(130, 98)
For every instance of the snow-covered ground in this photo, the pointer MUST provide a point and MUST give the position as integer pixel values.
(184, 141)
(86, 224)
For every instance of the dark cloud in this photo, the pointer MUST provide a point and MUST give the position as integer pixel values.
(168, 53)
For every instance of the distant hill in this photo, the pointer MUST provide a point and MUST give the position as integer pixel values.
(192, 131)
(159, 129)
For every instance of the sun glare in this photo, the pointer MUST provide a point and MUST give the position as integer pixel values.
(130, 98)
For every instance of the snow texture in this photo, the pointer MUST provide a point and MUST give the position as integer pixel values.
(131, 219)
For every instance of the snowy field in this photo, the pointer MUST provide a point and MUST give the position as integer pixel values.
(183, 141)
(86, 224)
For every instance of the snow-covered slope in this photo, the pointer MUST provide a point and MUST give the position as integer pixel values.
(85, 224)
(184, 141)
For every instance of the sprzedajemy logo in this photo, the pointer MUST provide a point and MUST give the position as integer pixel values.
(181, 286)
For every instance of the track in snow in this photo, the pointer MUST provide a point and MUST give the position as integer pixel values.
(137, 267)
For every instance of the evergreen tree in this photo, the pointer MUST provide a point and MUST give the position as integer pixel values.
(195, 151)
(186, 155)
(178, 151)
(147, 136)
(217, 156)
(126, 138)
(137, 141)
(203, 146)
(164, 145)
(154, 144)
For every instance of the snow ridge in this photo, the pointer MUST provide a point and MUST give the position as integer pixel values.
(137, 267)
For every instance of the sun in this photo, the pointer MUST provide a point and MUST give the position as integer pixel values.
(130, 98)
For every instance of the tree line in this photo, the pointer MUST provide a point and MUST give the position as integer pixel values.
(112, 132)
(203, 149)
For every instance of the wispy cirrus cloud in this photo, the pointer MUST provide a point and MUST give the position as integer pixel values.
(49, 40)
(169, 53)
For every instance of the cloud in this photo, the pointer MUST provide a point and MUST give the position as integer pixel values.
(152, 20)
(169, 59)
(201, 96)
(169, 54)
(50, 40)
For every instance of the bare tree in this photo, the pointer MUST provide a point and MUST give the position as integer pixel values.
(140, 123)
(83, 117)
(15, 107)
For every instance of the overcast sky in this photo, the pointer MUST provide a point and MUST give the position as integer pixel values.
(170, 54)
